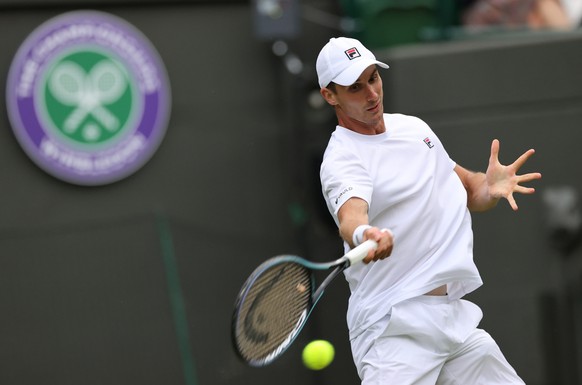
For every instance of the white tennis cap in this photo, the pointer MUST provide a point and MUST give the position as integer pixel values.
(342, 60)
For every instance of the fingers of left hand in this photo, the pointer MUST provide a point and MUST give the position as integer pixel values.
(529, 177)
(526, 178)
(523, 158)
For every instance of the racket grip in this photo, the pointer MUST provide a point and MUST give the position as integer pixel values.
(357, 254)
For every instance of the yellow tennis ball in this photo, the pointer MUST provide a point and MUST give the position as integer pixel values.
(318, 354)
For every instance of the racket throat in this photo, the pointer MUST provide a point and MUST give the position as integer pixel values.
(334, 273)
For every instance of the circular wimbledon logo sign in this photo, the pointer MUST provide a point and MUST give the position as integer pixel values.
(88, 98)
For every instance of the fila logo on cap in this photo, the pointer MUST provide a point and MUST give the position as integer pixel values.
(352, 53)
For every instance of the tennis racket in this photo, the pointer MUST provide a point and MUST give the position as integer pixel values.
(275, 301)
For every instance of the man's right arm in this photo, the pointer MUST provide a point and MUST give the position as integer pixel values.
(354, 213)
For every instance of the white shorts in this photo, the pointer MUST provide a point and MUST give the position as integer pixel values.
(430, 340)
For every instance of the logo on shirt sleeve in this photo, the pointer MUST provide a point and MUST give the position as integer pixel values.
(345, 191)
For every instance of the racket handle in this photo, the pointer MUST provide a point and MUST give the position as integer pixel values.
(357, 254)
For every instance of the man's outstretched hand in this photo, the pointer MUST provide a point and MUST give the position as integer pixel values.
(503, 181)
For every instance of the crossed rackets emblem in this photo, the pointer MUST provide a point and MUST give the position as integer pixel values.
(89, 93)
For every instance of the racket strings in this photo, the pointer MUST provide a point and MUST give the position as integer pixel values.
(273, 307)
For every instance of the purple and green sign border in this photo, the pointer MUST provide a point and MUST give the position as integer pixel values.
(88, 98)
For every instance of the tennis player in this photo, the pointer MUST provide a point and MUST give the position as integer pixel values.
(387, 177)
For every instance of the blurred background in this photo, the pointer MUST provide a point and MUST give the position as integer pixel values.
(133, 282)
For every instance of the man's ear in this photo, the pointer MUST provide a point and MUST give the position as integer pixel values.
(328, 96)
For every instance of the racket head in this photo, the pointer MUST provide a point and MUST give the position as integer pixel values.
(271, 309)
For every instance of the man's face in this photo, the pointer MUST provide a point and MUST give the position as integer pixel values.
(362, 101)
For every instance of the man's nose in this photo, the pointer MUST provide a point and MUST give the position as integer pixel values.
(372, 94)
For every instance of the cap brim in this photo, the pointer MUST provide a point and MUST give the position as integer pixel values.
(353, 72)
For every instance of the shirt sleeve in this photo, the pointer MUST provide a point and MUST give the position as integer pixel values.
(344, 176)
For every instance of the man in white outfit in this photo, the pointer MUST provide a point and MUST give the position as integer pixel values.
(387, 177)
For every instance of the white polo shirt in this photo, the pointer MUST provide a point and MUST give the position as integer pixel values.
(409, 182)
